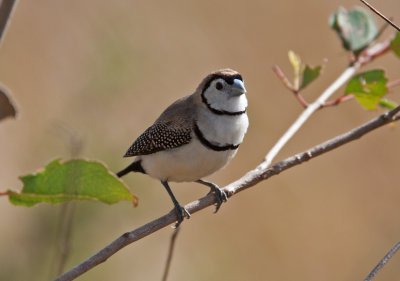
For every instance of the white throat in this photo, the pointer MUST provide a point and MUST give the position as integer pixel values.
(222, 102)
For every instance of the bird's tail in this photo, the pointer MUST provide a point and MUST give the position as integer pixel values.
(135, 166)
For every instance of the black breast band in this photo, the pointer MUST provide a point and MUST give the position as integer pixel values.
(209, 145)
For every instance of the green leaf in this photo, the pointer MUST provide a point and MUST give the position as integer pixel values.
(356, 28)
(388, 103)
(368, 88)
(309, 75)
(395, 44)
(72, 180)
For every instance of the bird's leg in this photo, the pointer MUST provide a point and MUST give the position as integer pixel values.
(221, 195)
(181, 211)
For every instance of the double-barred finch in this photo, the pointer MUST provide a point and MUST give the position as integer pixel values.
(195, 136)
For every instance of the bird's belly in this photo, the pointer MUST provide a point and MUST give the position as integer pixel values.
(186, 163)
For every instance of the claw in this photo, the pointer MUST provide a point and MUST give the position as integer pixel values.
(219, 193)
(221, 197)
(181, 212)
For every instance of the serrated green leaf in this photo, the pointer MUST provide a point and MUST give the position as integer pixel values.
(72, 180)
(368, 88)
(356, 28)
(395, 44)
(388, 103)
(309, 75)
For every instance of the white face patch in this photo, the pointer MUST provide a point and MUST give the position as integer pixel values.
(221, 96)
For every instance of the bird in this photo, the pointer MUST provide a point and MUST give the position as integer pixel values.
(194, 137)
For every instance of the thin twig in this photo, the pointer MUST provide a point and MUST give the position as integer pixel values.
(375, 51)
(393, 83)
(301, 99)
(369, 55)
(383, 261)
(308, 112)
(170, 253)
(62, 239)
(283, 78)
(380, 14)
(338, 100)
(289, 85)
(74, 142)
(6, 9)
(66, 217)
(262, 172)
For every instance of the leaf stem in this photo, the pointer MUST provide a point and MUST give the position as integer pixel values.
(283, 78)
(289, 85)
(393, 83)
(339, 100)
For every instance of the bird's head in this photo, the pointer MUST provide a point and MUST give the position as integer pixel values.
(224, 91)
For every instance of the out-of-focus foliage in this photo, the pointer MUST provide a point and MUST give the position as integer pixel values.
(309, 75)
(395, 44)
(356, 28)
(368, 88)
(388, 103)
(303, 73)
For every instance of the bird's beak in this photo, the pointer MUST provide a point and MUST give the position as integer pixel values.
(237, 88)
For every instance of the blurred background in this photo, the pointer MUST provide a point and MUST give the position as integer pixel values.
(104, 71)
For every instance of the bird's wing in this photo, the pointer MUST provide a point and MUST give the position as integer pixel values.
(160, 136)
(172, 129)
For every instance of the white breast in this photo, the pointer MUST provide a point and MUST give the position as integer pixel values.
(223, 129)
(187, 163)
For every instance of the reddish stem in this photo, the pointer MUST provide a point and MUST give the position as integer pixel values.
(344, 98)
(338, 100)
(283, 78)
(289, 85)
(392, 84)
(301, 99)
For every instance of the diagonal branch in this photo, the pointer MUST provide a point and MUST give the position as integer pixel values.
(380, 14)
(253, 177)
(305, 115)
(383, 261)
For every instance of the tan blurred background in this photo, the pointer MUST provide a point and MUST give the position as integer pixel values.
(106, 69)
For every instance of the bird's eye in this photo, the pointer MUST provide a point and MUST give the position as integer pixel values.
(219, 86)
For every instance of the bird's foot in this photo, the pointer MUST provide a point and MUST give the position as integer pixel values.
(221, 196)
(219, 193)
(181, 212)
